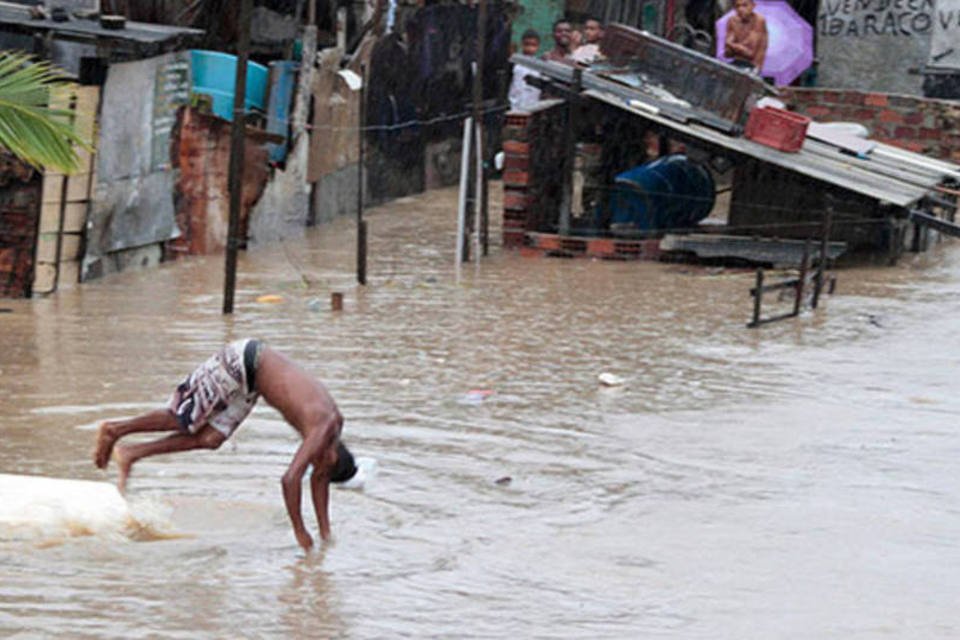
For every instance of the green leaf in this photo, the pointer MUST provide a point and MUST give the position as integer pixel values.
(29, 128)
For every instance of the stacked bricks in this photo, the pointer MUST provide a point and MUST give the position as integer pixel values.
(532, 179)
(518, 203)
(590, 247)
(922, 125)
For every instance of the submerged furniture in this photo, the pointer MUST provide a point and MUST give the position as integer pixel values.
(671, 192)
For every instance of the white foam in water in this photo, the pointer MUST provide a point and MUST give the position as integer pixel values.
(366, 471)
(40, 508)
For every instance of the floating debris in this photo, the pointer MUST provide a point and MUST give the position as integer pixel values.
(610, 380)
(476, 396)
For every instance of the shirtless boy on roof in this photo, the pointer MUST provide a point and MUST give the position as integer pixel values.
(210, 404)
(746, 39)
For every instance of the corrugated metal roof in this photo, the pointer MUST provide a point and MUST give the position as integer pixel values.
(81, 29)
(815, 160)
(887, 173)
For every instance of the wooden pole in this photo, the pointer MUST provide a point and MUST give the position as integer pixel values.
(235, 177)
(757, 299)
(824, 248)
(478, 197)
(802, 280)
(361, 223)
(570, 153)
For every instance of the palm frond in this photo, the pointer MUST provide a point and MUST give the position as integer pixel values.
(31, 130)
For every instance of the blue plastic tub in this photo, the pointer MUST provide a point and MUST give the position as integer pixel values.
(283, 79)
(215, 75)
(668, 193)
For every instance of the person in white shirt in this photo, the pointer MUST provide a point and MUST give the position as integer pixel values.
(522, 96)
(590, 50)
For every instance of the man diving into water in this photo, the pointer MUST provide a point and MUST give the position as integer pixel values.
(216, 398)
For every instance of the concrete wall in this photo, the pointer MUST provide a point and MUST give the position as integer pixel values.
(872, 44)
(923, 125)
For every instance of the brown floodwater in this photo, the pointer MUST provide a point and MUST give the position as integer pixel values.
(797, 481)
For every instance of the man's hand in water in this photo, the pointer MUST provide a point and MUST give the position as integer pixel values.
(304, 540)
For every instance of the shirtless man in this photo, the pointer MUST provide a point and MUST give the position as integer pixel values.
(210, 404)
(746, 39)
(562, 42)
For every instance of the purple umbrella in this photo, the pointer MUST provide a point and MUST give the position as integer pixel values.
(790, 41)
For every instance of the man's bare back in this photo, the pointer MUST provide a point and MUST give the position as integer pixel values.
(746, 40)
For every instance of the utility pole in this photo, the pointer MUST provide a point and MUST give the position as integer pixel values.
(235, 177)
(478, 202)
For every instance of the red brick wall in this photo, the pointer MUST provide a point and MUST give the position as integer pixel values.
(20, 194)
(202, 154)
(923, 125)
(532, 146)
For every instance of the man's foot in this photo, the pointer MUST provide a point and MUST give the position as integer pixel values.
(123, 467)
(105, 440)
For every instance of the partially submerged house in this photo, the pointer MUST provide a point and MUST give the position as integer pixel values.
(156, 186)
(653, 99)
(44, 224)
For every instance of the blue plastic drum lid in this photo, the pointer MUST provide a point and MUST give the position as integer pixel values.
(215, 74)
(670, 192)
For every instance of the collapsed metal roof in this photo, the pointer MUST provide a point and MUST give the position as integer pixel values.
(140, 35)
(884, 172)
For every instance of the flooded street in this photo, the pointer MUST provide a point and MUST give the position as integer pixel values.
(797, 481)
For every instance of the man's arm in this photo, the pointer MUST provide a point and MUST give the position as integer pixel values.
(761, 54)
(320, 490)
(732, 47)
(317, 441)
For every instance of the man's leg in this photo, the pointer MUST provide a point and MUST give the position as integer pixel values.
(112, 430)
(126, 455)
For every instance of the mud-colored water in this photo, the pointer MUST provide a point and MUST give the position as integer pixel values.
(798, 481)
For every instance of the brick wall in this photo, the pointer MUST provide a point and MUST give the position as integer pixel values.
(922, 125)
(19, 215)
(532, 179)
(202, 196)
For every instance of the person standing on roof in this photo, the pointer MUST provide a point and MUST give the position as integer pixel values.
(746, 39)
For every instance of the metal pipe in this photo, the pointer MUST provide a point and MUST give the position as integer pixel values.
(464, 186)
(235, 177)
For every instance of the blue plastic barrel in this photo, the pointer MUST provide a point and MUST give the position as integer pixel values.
(671, 192)
(215, 74)
(283, 78)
